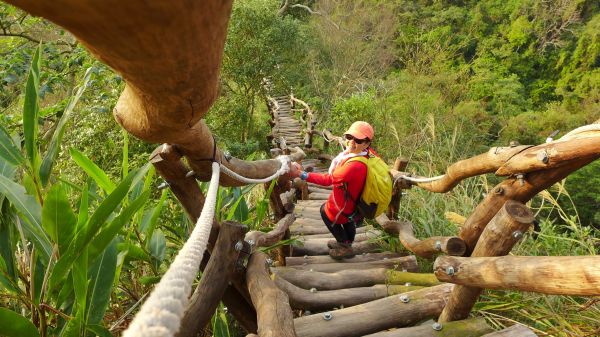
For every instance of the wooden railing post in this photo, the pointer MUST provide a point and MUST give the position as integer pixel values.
(504, 230)
(214, 281)
(394, 207)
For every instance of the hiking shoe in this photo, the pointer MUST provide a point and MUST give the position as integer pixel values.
(334, 244)
(343, 252)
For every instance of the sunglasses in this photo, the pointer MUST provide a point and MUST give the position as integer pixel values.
(356, 140)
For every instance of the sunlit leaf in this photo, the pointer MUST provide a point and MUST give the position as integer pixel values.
(93, 225)
(52, 153)
(58, 219)
(157, 246)
(134, 252)
(92, 170)
(99, 330)
(151, 219)
(107, 234)
(80, 279)
(31, 110)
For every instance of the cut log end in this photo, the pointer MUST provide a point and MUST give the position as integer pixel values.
(456, 247)
(519, 212)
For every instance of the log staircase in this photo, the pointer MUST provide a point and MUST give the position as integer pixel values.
(377, 293)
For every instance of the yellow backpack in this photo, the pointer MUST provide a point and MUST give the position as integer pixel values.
(377, 193)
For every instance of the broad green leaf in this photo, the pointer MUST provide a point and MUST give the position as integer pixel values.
(134, 252)
(83, 215)
(80, 280)
(157, 246)
(38, 274)
(101, 275)
(7, 169)
(149, 225)
(8, 150)
(15, 325)
(66, 295)
(85, 235)
(98, 330)
(58, 218)
(73, 328)
(92, 170)
(31, 211)
(57, 136)
(31, 110)
(108, 233)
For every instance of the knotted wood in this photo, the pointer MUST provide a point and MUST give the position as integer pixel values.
(561, 275)
(275, 317)
(498, 238)
(426, 248)
(214, 281)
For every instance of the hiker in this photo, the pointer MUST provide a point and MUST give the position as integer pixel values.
(348, 179)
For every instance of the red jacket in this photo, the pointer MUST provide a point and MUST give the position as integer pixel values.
(352, 173)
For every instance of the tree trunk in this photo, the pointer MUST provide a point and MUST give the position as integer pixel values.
(498, 238)
(275, 317)
(380, 314)
(561, 275)
(214, 281)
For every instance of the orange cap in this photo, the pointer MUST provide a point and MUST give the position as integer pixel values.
(361, 130)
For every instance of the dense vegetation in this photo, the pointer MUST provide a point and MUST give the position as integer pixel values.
(439, 80)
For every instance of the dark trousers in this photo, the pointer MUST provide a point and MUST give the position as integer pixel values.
(344, 233)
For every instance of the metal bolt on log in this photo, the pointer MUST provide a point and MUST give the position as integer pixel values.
(438, 245)
(239, 245)
(517, 235)
(450, 270)
(404, 299)
(437, 326)
(313, 290)
(327, 316)
(543, 157)
(163, 186)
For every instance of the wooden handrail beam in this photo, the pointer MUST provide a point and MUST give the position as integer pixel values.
(426, 248)
(555, 275)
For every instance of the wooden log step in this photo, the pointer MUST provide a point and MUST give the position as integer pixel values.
(306, 222)
(350, 322)
(318, 190)
(318, 196)
(320, 186)
(517, 330)
(351, 278)
(371, 233)
(322, 300)
(473, 327)
(319, 247)
(404, 263)
(308, 214)
(366, 257)
(307, 230)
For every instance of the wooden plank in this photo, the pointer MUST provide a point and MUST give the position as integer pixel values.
(404, 263)
(380, 314)
(366, 257)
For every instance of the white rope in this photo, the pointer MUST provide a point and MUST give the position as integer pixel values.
(161, 314)
(284, 168)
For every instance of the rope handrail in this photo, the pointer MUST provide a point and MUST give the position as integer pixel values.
(161, 314)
